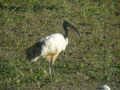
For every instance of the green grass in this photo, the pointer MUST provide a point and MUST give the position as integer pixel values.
(93, 61)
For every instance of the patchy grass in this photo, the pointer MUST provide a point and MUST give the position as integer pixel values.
(93, 61)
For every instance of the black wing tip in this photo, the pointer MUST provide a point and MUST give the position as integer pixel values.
(34, 50)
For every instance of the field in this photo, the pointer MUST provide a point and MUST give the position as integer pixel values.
(84, 65)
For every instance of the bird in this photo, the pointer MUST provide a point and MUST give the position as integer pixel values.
(52, 45)
(103, 87)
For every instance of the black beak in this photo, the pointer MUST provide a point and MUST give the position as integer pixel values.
(67, 24)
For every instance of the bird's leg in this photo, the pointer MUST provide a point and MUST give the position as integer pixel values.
(50, 63)
(53, 61)
(50, 67)
(54, 58)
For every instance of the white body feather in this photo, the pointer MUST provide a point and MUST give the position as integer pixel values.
(54, 43)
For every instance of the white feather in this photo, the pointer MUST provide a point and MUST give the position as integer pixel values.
(54, 43)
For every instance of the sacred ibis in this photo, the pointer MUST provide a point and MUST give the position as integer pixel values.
(51, 46)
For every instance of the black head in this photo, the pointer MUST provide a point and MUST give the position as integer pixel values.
(67, 24)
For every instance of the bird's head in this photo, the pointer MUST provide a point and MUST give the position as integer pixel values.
(66, 25)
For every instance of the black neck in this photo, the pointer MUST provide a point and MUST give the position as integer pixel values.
(66, 32)
(65, 26)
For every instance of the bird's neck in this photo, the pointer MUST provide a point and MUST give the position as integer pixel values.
(66, 39)
(66, 33)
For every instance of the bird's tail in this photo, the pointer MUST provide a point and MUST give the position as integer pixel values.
(33, 52)
(35, 59)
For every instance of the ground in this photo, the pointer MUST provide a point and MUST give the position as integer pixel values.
(88, 62)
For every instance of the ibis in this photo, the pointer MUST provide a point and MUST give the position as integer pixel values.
(51, 46)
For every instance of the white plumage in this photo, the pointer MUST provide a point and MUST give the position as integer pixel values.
(54, 43)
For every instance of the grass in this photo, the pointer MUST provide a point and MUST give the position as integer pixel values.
(85, 65)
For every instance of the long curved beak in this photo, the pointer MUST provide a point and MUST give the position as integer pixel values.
(67, 24)
(76, 30)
